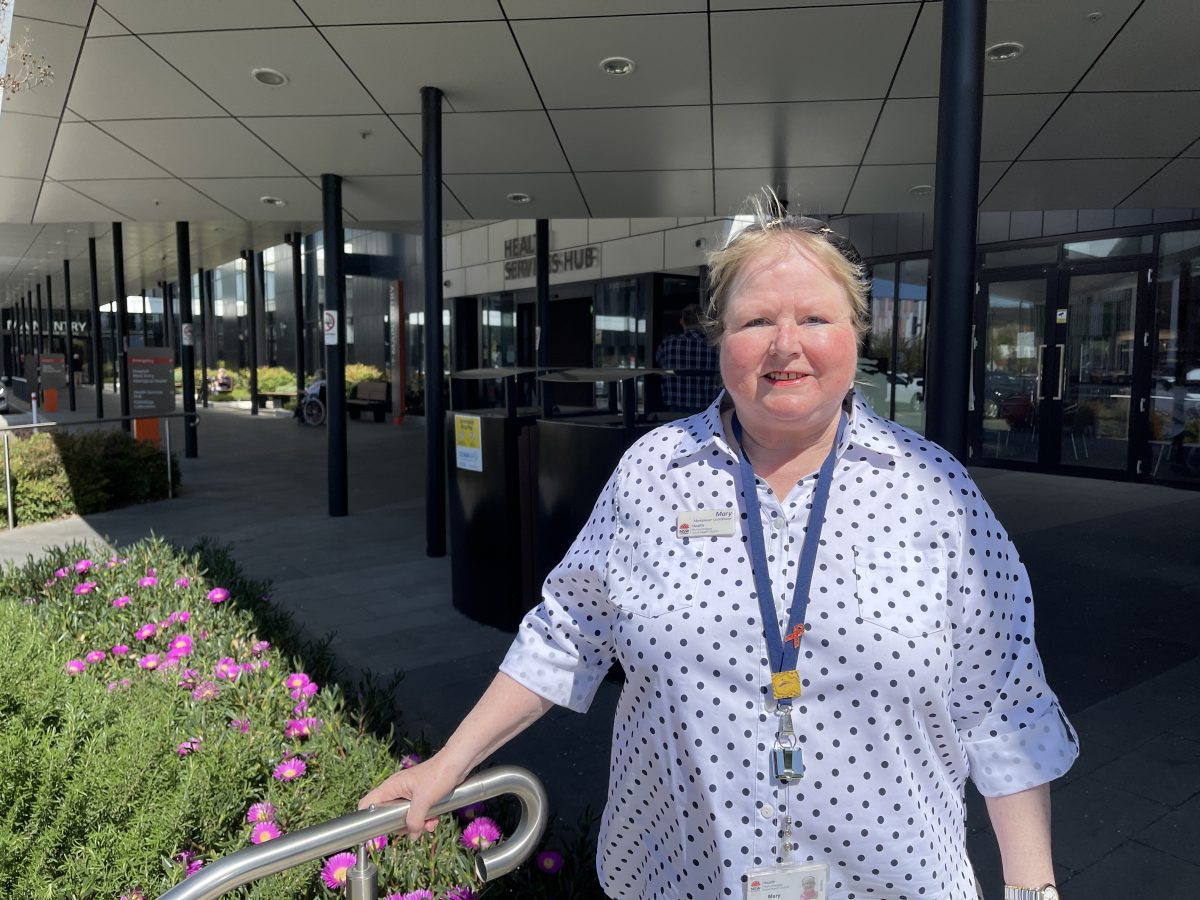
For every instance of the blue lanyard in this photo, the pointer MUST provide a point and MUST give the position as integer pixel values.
(784, 648)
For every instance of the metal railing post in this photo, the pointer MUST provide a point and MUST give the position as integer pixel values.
(12, 521)
(362, 881)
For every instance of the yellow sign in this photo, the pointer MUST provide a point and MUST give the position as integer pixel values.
(468, 442)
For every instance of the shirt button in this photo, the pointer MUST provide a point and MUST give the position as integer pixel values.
(767, 811)
(778, 524)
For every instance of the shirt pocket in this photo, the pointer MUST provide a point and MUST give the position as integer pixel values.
(901, 590)
(650, 580)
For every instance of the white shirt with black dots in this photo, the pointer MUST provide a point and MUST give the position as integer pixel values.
(919, 668)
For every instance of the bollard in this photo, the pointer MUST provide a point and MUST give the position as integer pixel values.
(33, 406)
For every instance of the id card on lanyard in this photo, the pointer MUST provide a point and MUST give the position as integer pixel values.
(809, 881)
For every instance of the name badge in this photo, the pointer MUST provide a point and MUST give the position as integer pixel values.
(698, 523)
(787, 882)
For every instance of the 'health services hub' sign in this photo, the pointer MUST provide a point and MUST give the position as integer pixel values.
(520, 259)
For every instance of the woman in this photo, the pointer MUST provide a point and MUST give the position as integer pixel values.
(897, 657)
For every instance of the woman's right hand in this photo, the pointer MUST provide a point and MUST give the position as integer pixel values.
(422, 785)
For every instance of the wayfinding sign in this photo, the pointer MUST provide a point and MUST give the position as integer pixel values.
(151, 381)
(54, 370)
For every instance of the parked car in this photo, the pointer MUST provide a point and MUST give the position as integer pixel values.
(1000, 390)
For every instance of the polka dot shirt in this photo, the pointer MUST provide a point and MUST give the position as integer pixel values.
(918, 666)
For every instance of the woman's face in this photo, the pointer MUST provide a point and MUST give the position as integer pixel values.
(789, 350)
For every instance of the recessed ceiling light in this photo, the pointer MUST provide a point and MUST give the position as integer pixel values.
(269, 77)
(1004, 51)
(518, 197)
(920, 190)
(1095, 17)
(616, 65)
(272, 201)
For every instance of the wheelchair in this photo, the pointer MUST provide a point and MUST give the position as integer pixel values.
(312, 408)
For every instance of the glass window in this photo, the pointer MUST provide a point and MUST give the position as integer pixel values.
(1022, 256)
(875, 358)
(1109, 248)
(1175, 372)
(912, 304)
(620, 331)
(498, 331)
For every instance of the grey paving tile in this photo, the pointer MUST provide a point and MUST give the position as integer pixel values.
(1166, 769)
(1135, 871)
(1177, 833)
(1186, 727)
(1139, 714)
(1092, 818)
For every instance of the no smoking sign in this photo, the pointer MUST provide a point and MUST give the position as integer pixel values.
(329, 323)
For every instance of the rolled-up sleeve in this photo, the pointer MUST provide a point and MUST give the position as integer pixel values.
(1014, 731)
(563, 647)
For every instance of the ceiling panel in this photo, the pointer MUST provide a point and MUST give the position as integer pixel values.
(382, 198)
(17, 198)
(104, 25)
(1194, 149)
(519, 141)
(476, 65)
(814, 191)
(1156, 51)
(1113, 125)
(84, 151)
(319, 84)
(792, 135)
(670, 54)
(1060, 44)
(242, 195)
(363, 12)
(149, 16)
(780, 4)
(1176, 185)
(319, 144)
(644, 138)
(646, 194)
(25, 143)
(59, 45)
(122, 78)
(554, 9)
(553, 195)
(153, 199)
(757, 55)
(881, 189)
(184, 147)
(67, 12)
(59, 203)
(1069, 184)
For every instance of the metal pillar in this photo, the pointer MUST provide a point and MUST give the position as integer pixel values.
(37, 337)
(431, 232)
(252, 341)
(335, 342)
(187, 356)
(49, 317)
(542, 281)
(294, 241)
(97, 332)
(169, 317)
(70, 338)
(205, 290)
(119, 333)
(960, 116)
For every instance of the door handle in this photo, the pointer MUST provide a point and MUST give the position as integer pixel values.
(1062, 369)
(1037, 385)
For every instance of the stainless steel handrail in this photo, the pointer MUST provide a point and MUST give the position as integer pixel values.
(282, 853)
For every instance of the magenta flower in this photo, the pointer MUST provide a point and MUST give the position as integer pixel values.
(83, 565)
(468, 812)
(419, 894)
(302, 728)
(62, 573)
(181, 582)
(118, 685)
(182, 616)
(260, 646)
(227, 668)
(120, 649)
(335, 869)
(242, 725)
(146, 631)
(218, 595)
(206, 690)
(309, 690)
(193, 867)
(148, 581)
(189, 746)
(296, 681)
(134, 894)
(408, 760)
(85, 587)
(182, 645)
(96, 656)
(264, 831)
(290, 769)
(460, 893)
(376, 844)
(260, 812)
(74, 666)
(549, 861)
(150, 661)
(480, 834)
(121, 602)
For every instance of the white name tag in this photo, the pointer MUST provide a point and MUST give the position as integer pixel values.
(788, 882)
(698, 523)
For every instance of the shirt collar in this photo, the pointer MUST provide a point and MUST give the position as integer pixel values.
(866, 429)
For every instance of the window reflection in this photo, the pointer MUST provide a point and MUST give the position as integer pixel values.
(1175, 373)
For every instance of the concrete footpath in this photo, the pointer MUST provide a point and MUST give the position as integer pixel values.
(1114, 568)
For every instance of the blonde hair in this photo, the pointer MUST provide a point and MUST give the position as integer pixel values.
(772, 230)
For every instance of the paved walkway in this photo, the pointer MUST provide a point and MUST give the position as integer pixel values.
(1113, 567)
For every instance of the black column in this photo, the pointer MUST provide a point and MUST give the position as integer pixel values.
(49, 348)
(37, 338)
(202, 280)
(956, 202)
(252, 341)
(119, 333)
(69, 350)
(542, 282)
(335, 345)
(294, 240)
(431, 231)
(187, 355)
(169, 317)
(97, 332)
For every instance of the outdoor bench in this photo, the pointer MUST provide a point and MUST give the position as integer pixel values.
(373, 396)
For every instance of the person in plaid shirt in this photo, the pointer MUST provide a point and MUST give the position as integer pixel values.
(691, 353)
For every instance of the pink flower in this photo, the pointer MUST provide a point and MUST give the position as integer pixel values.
(480, 834)
(181, 582)
(193, 867)
(302, 727)
(419, 894)
(74, 666)
(62, 573)
(85, 587)
(260, 646)
(146, 631)
(118, 685)
(82, 566)
(295, 681)
(95, 656)
(148, 581)
(408, 760)
(290, 769)
(264, 831)
(376, 844)
(260, 812)
(218, 595)
(549, 861)
(183, 616)
(206, 690)
(150, 661)
(120, 649)
(242, 725)
(459, 893)
(121, 602)
(227, 668)
(335, 869)
(182, 644)
(189, 746)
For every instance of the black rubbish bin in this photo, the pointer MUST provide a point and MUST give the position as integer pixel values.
(490, 460)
